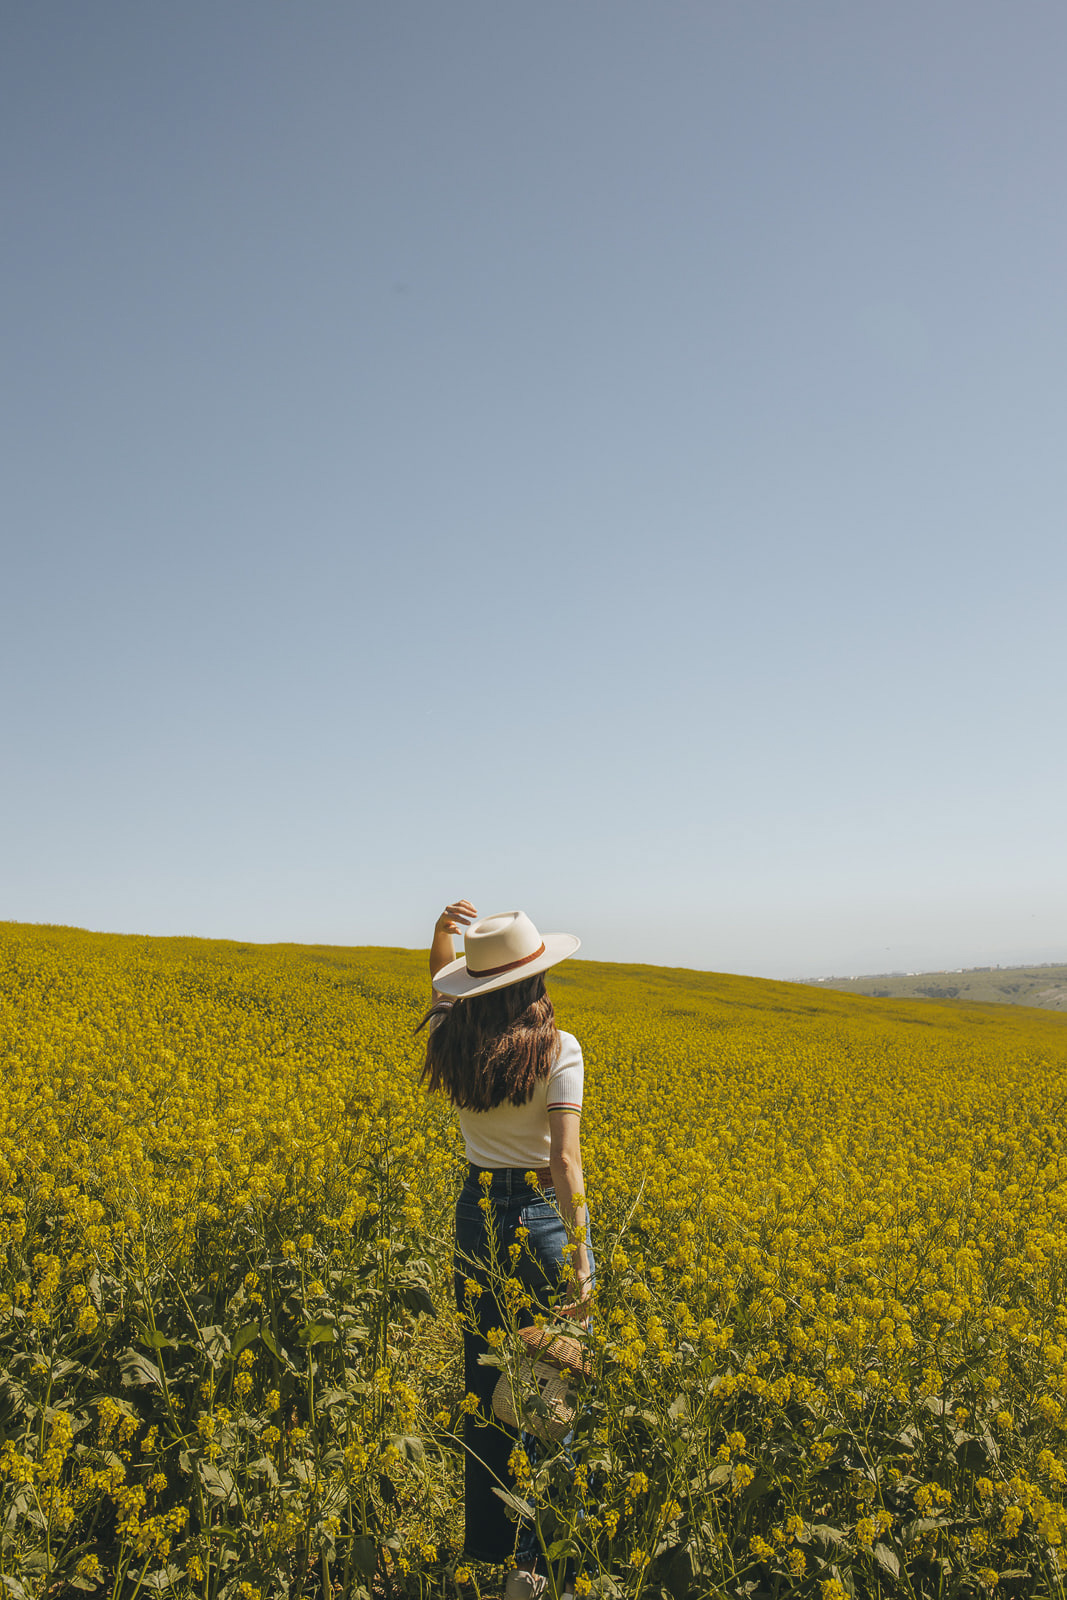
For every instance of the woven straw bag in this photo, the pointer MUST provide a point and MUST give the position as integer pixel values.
(546, 1367)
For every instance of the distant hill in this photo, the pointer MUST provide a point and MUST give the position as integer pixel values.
(1044, 986)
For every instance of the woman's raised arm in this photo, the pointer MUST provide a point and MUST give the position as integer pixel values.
(453, 919)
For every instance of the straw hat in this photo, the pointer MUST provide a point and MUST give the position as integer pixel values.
(500, 950)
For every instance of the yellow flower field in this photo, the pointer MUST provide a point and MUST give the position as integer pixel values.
(830, 1343)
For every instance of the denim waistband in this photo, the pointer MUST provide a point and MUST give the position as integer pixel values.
(508, 1180)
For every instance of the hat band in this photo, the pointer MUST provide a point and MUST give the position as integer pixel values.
(509, 966)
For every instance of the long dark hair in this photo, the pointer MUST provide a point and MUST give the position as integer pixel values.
(491, 1047)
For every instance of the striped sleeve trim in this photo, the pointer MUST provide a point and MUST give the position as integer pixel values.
(565, 1089)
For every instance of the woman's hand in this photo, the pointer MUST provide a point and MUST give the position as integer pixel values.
(580, 1309)
(453, 919)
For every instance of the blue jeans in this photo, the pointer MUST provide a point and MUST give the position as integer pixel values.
(482, 1240)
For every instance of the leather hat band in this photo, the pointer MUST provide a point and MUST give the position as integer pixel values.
(509, 966)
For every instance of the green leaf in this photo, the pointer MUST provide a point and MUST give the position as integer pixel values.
(218, 1482)
(65, 1368)
(535, 1405)
(757, 1488)
(265, 1468)
(17, 1395)
(920, 1525)
(277, 1350)
(364, 1551)
(682, 1568)
(154, 1340)
(639, 1414)
(972, 1455)
(334, 1397)
(215, 1343)
(138, 1370)
(162, 1578)
(887, 1560)
(521, 1507)
(244, 1337)
(417, 1299)
(409, 1445)
(318, 1333)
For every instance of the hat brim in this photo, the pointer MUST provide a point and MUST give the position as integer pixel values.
(455, 980)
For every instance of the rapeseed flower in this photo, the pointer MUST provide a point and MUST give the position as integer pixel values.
(807, 1219)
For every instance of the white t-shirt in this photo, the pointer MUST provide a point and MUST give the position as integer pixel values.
(518, 1136)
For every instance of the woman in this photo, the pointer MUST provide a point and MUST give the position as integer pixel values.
(516, 1081)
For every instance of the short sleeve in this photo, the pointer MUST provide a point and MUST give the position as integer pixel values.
(566, 1080)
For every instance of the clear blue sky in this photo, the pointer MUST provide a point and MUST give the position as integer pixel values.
(603, 458)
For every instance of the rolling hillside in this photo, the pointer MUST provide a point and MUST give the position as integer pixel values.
(1043, 986)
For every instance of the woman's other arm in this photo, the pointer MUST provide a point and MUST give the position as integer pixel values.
(453, 919)
(565, 1160)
